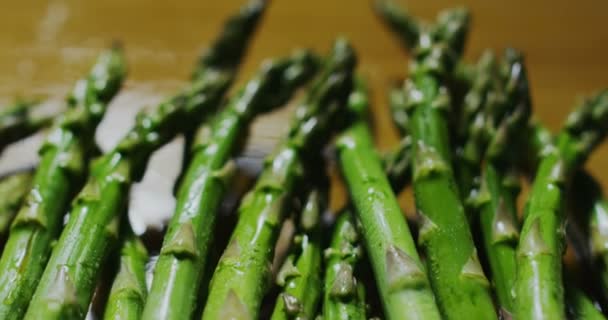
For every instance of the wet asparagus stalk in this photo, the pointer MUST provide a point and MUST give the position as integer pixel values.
(128, 293)
(300, 275)
(242, 276)
(401, 278)
(183, 256)
(64, 158)
(344, 294)
(13, 189)
(18, 122)
(458, 281)
(539, 286)
(69, 279)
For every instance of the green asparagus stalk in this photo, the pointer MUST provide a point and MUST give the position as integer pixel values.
(63, 166)
(500, 229)
(128, 293)
(69, 279)
(539, 286)
(400, 275)
(300, 275)
(344, 294)
(184, 253)
(458, 281)
(242, 276)
(18, 122)
(496, 200)
(13, 190)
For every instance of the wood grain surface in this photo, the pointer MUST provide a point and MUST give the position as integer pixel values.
(46, 45)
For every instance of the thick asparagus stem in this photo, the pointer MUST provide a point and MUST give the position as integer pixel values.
(456, 276)
(69, 279)
(184, 253)
(242, 275)
(300, 275)
(399, 273)
(539, 286)
(13, 190)
(344, 294)
(63, 166)
(128, 293)
(17, 122)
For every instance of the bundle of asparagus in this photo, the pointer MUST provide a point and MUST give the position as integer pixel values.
(468, 138)
(64, 160)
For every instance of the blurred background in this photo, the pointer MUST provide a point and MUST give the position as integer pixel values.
(45, 46)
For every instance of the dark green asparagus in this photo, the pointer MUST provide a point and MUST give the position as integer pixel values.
(300, 275)
(18, 122)
(69, 279)
(183, 256)
(539, 286)
(13, 190)
(64, 158)
(128, 293)
(242, 276)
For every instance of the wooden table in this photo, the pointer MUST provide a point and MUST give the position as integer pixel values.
(46, 45)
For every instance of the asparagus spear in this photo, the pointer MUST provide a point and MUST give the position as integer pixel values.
(68, 282)
(538, 287)
(242, 275)
(13, 190)
(63, 165)
(496, 199)
(400, 22)
(17, 122)
(300, 275)
(408, 30)
(458, 282)
(344, 294)
(474, 122)
(184, 253)
(400, 275)
(128, 293)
